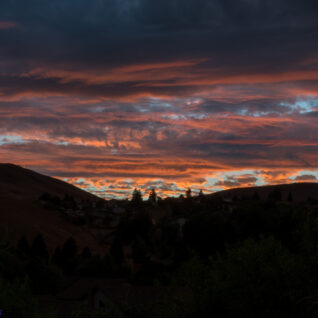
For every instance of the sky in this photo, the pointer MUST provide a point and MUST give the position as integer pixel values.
(111, 95)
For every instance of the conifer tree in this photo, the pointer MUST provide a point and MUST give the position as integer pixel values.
(201, 195)
(139, 250)
(290, 197)
(57, 257)
(117, 251)
(69, 248)
(69, 256)
(23, 246)
(136, 198)
(152, 196)
(86, 253)
(39, 248)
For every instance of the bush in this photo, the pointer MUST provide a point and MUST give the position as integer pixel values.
(17, 302)
(254, 279)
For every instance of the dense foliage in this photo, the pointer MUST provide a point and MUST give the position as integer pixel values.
(245, 257)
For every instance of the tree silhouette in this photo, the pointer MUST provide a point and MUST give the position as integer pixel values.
(69, 248)
(290, 197)
(152, 196)
(117, 251)
(139, 250)
(255, 196)
(67, 258)
(275, 194)
(57, 257)
(86, 253)
(188, 194)
(136, 198)
(23, 246)
(39, 248)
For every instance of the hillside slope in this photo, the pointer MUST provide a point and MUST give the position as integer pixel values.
(299, 191)
(20, 183)
(21, 213)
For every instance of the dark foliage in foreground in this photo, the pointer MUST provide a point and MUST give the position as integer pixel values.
(247, 258)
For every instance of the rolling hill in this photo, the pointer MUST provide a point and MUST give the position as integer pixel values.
(22, 214)
(299, 191)
(20, 183)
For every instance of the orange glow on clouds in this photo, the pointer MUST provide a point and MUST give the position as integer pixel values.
(223, 129)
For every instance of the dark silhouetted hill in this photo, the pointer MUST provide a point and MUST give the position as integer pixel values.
(299, 191)
(20, 183)
(21, 213)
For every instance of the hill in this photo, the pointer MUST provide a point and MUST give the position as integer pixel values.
(20, 183)
(22, 214)
(299, 191)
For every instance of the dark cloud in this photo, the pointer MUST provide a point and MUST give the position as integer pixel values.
(306, 177)
(109, 32)
(237, 181)
(159, 89)
(236, 38)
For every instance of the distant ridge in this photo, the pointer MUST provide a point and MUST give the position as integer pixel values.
(299, 191)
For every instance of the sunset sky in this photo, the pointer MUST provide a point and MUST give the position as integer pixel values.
(169, 94)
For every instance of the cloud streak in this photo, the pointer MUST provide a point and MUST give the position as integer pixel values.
(165, 94)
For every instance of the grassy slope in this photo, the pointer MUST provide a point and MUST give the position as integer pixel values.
(21, 213)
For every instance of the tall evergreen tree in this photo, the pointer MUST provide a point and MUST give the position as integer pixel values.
(69, 248)
(57, 257)
(136, 198)
(23, 246)
(86, 253)
(189, 193)
(117, 251)
(152, 196)
(39, 248)
(69, 255)
(290, 197)
(139, 250)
